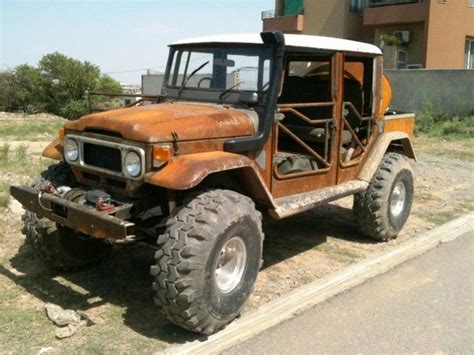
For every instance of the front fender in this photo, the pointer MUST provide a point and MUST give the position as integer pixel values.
(54, 150)
(187, 171)
(383, 143)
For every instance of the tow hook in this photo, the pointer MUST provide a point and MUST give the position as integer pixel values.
(104, 204)
(49, 188)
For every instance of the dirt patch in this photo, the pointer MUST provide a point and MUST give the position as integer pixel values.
(117, 294)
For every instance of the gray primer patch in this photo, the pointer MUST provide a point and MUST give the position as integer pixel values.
(261, 159)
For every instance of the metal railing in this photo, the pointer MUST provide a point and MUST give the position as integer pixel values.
(268, 14)
(376, 3)
(323, 159)
(359, 142)
(272, 14)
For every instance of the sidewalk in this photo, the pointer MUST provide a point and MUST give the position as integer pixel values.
(425, 305)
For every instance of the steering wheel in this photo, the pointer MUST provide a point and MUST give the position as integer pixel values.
(206, 78)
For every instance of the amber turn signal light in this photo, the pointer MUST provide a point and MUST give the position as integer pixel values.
(161, 154)
(61, 134)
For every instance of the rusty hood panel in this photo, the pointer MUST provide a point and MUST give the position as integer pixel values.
(155, 123)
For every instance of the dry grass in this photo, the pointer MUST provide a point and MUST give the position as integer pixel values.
(117, 294)
(29, 130)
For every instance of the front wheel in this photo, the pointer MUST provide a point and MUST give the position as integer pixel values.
(208, 261)
(60, 247)
(382, 210)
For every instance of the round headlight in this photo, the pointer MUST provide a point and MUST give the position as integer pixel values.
(71, 150)
(132, 164)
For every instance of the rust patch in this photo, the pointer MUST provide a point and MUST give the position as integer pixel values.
(295, 204)
(155, 123)
(79, 217)
(187, 171)
(402, 123)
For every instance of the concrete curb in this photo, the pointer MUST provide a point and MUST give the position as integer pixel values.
(318, 291)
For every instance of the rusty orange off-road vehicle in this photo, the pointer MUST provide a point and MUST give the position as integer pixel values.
(244, 123)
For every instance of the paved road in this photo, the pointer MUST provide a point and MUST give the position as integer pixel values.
(425, 306)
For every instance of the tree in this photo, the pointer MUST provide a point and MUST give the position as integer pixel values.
(58, 85)
(22, 89)
(108, 85)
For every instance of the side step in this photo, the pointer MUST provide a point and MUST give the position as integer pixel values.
(290, 205)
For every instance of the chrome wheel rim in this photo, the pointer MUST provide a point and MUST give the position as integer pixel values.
(397, 200)
(231, 264)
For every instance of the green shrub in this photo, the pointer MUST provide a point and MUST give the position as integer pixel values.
(391, 40)
(459, 126)
(433, 120)
(74, 109)
(429, 117)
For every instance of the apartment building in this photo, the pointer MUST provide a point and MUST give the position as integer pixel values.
(430, 33)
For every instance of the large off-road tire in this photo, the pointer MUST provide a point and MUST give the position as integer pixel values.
(208, 260)
(60, 247)
(384, 207)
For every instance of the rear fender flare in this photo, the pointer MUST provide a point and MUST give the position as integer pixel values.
(386, 142)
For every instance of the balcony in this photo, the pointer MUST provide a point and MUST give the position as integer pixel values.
(393, 12)
(376, 3)
(286, 24)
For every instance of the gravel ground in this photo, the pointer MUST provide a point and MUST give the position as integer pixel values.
(117, 294)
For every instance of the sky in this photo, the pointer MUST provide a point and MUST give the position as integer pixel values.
(117, 35)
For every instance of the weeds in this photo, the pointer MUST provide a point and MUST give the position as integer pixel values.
(18, 167)
(21, 153)
(434, 121)
(4, 150)
(4, 194)
(21, 130)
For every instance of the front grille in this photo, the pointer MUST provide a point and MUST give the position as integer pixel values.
(103, 157)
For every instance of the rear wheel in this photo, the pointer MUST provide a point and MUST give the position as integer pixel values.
(60, 247)
(382, 210)
(208, 262)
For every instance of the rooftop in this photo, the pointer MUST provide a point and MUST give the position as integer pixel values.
(291, 40)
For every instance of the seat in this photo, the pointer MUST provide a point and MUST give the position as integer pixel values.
(316, 135)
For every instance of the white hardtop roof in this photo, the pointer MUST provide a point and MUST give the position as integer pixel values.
(305, 41)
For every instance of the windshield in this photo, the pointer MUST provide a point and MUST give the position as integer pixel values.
(218, 74)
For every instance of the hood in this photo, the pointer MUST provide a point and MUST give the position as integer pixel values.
(155, 123)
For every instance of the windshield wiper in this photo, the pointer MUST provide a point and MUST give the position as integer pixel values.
(224, 93)
(190, 76)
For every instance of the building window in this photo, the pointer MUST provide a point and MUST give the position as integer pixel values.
(402, 59)
(358, 6)
(469, 54)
